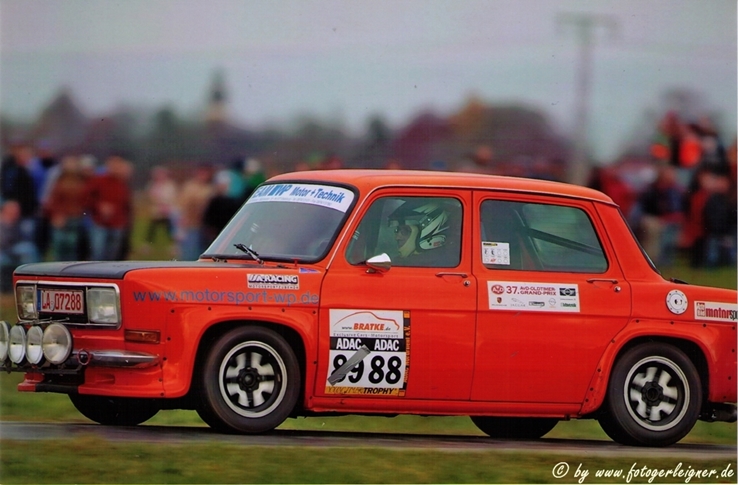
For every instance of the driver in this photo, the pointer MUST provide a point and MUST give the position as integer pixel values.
(418, 230)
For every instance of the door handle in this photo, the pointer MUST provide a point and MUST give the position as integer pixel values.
(612, 281)
(450, 273)
(603, 280)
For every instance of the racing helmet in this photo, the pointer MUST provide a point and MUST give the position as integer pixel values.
(426, 225)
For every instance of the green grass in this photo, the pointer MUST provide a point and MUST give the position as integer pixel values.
(92, 460)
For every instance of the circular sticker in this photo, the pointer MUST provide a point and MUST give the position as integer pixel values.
(677, 302)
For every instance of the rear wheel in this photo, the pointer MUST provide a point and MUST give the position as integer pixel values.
(514, 428)
(250, 381)
(653, 398)
(116, 411)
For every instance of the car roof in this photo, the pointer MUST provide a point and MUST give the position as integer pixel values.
(367, 180)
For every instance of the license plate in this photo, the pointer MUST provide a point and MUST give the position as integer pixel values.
(61, 301)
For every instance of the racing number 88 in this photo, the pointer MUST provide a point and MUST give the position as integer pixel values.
(377, 373)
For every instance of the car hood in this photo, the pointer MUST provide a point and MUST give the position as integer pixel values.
(108, 269)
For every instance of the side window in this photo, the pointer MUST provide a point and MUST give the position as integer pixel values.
(413, 231)
(539, 237)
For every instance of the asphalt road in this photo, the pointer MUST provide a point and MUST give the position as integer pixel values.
(179, 435)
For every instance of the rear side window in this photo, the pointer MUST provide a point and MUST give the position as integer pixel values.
(539, 237)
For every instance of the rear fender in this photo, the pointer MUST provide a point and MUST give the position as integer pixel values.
(696, 338)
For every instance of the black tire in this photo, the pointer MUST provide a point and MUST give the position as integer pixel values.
(115, 411)
(250, 381)
(514, 428)
(653, 398)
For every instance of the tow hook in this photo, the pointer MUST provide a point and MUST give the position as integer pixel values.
(84, 357)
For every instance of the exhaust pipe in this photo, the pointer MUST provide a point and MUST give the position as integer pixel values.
(720, 412)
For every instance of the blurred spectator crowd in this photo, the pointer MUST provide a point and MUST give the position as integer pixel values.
(682, 201)
(77, 209)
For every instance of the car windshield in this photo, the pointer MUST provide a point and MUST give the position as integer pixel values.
(285, 222)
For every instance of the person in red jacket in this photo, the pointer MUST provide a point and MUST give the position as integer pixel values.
(109, 203)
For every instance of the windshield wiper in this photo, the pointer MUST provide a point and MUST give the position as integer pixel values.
(249, 251)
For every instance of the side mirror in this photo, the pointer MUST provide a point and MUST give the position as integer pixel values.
(379, 264)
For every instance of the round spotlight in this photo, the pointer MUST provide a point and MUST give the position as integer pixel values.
(4, 340)
(57, 343)
(34, 350)
(17, 347)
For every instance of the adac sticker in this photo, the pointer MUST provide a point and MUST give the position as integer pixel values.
(676, 302)
(369, 352)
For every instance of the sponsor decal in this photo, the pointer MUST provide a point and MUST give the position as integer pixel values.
(369, 352)
(209, 296)
(496, 253)
(676, 302)
(365, 323)
(274, 281)
(309, 270)
(336, 198)
(715, 311)
(527, 296)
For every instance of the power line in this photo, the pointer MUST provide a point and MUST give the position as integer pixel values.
(584, 26)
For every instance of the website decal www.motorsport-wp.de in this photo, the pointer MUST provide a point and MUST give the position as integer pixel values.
(263, 297)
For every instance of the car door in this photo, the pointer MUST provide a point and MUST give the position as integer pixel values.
(551, 297)
(409, 329)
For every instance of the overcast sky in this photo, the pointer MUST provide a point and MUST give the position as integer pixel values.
(354, 59)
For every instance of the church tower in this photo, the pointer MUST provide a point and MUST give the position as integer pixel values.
(216, 109)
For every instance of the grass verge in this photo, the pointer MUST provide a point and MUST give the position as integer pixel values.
(91, 460)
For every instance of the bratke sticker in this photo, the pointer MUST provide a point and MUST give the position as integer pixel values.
(533, 297)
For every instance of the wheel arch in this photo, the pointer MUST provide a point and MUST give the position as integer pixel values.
(597, 391)
(213, 332)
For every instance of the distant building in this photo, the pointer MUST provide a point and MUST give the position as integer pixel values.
(62, 123)
(216, 112)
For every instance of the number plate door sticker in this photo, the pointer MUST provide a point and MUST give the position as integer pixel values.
(378, 342)
(533, 297)
(61, 301)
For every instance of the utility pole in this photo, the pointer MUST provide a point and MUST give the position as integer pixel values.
(584, 26)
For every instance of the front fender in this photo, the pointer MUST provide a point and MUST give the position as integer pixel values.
(186, 327)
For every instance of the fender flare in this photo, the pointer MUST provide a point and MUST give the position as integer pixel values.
(297, 323)
(637, 330)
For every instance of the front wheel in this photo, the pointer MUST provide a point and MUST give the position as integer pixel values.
(115, 411)
(514, 428)
(250, 381)
(653, 398)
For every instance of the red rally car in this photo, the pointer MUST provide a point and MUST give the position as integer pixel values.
(517, 302)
